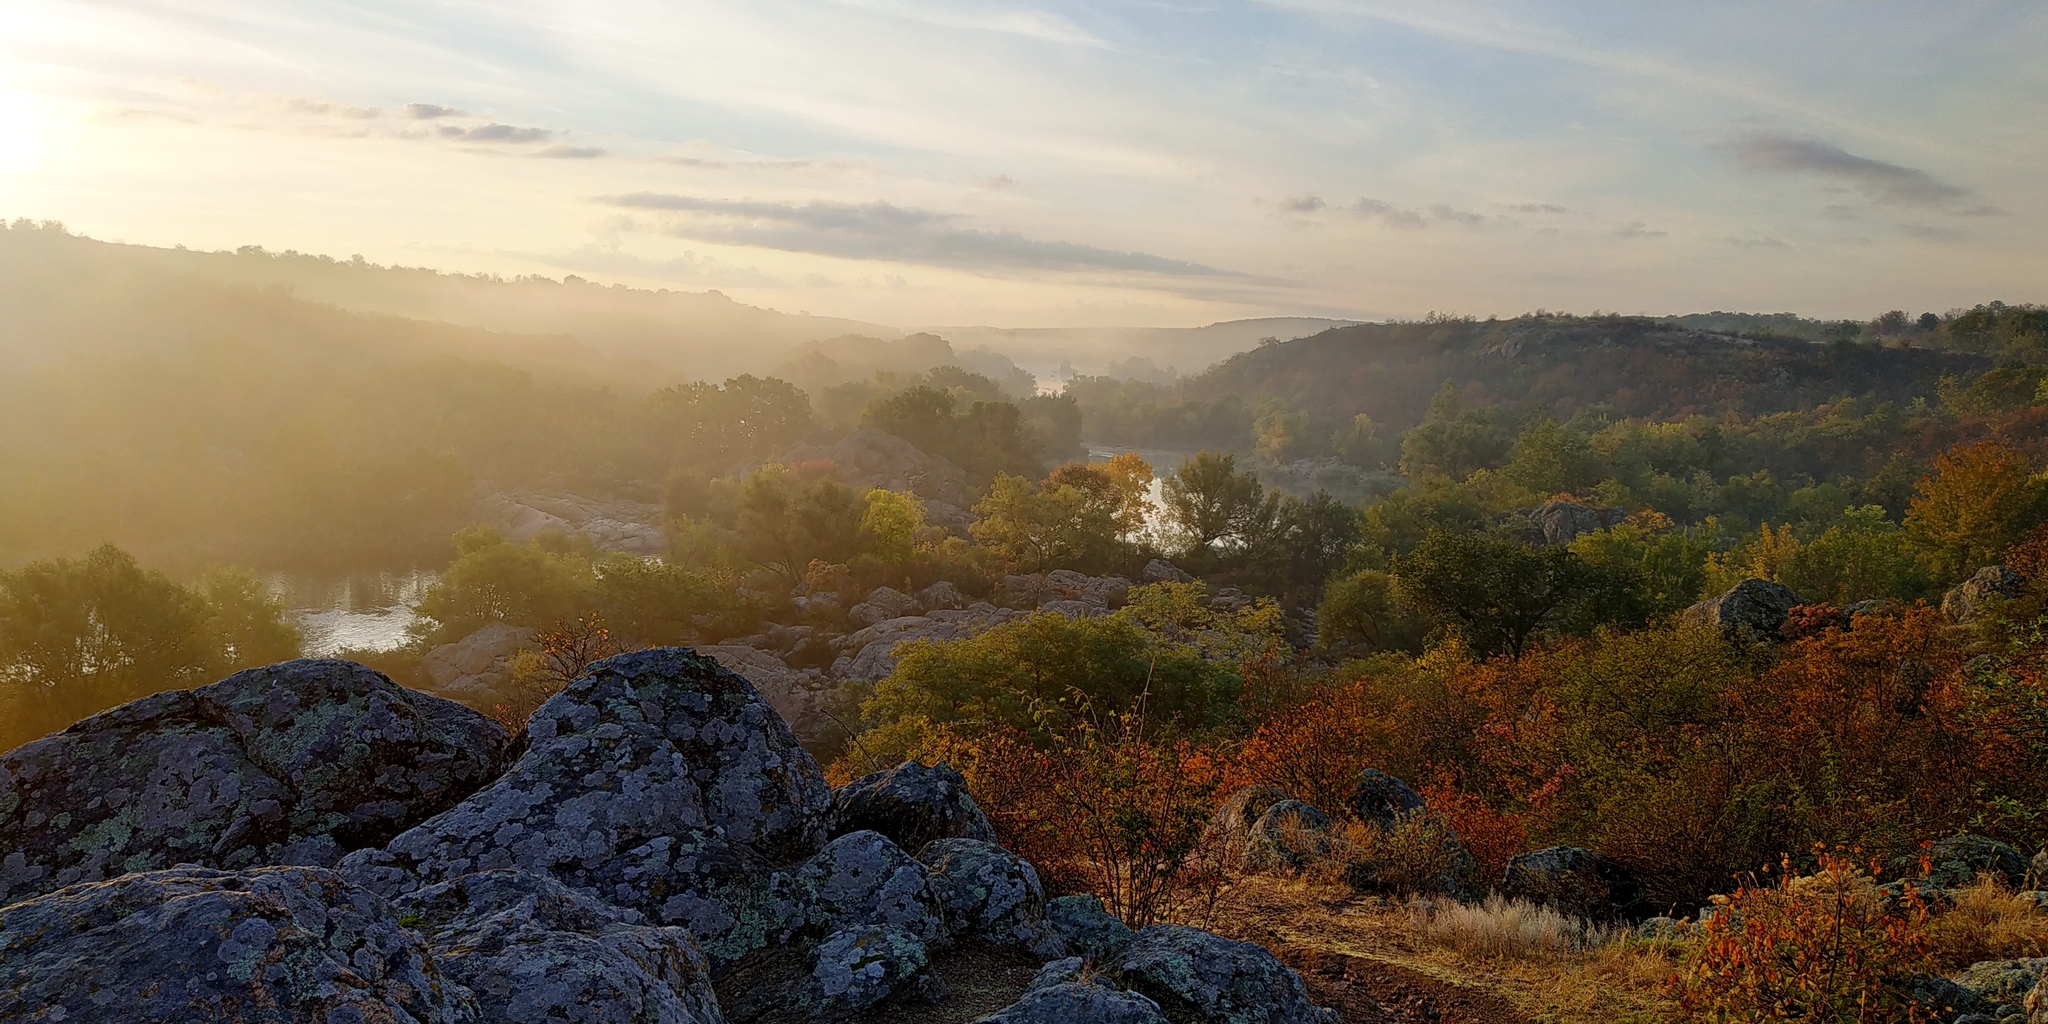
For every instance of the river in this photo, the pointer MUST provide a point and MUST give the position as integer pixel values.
(366, 610)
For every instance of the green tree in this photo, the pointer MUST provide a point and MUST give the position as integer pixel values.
(245, 625)
(1452, 440)
(1069, 521)
(535, 584)
(80, 636)
(1361, 612)
(1208, 501)
(888, 527)
(784, 522)
(1551, 459)
(1493, 594)
(1862, 558)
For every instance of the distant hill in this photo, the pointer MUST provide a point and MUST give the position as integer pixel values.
(1639, 367)
(1093, 350)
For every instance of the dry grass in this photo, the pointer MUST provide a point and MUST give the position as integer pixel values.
(1618, 980)
(1988, 922)
(1498, 928)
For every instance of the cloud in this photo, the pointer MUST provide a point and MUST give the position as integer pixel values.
(744, 165)
(1886, 184)
(1931, 231)
(562, 151)
(1538, 208)
(885, 231)
(1757, 242)
(327, 108)
(1410, 220)
(496, 133)
(428, 111)
(1637, 229)
(688, 268)
(1302, 204)
(997, 181)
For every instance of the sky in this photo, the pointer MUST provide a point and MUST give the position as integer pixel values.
(1111, 163)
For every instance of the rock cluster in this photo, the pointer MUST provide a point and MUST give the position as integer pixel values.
(627, 526)
(662, 850)
(1965, 601)
(1752, 612)
(1560, 521)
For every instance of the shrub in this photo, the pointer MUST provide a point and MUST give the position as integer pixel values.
(1824, 947)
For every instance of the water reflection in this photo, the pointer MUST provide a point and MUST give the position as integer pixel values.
(357, 611)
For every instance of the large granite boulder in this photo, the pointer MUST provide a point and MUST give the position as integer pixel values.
(194, 945)
(1232, 823)
(1965, 602)
(883, 604)
(864, 879)
(1953, 862)
(1560, 522)
(1289, 837)
(658, 782)
(1574, 881)
(294, 763)
(871, 651)
(533, 951)
(1066, 992)
(911, 804)
(1382, 800)
(1751, 612)
(992, 895)
(2000, 983)
(851, 970)
(1194, 975)
(1089, 929)
(477, 668)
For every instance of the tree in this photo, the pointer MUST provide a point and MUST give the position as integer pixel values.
(245, 626)
(1493, 594)
(1067, 521)
(784, 521)
(1362, 612)
(535, 584)
(1550, 459)
(1294, 550)
(1979, 500)
(1208, 501)
(888, 529)
(1861, 558)
(1452, 440)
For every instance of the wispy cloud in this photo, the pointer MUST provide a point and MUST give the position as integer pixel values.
(1040, 25)
(304, 107)
(429, 111)
(1411, 220)
(1884, 183)
(1637, 229)
(562, 151)
(495, 133)
(1302, 204)
(885, 231)
(1539, 208)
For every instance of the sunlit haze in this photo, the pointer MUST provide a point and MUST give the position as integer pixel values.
(910, 162)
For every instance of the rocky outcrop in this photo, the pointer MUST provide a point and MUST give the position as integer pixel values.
(1560, 522)
(803, 697)
(475, 669)
(627, 526)
(991, 894)
(1087, 594)
(852, 970)
(883, 604)
(1965, 602)
(1159, 570)
(864, 879)
(196, 944)
(1751, 612)
(1289, 837)
(1574, 881)
(1067, 992)
(871, 652)
(1231, 825)
(660, 782)
(1382, 800)
(533, 951)
(1953, 862)
(1088, 929)
(912, 805)
(295, 763)
(1194, 975)
(1995, 984)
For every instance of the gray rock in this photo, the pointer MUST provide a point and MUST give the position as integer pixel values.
(1965, 601)
(1040, 590)
(294, 763)
(1561, 522)
(197, 945)
(476, 669)
(991, 894)
(658, 782)
(1954, 862)
(795, 695)
(875, 646)
(912, 805)
(1288, 837)
(536, 952)
(2001, 982)
(941, 596)
(1659, 928)
(1089, 930)
(1575, 881)
(1161, 571)
(862, 878)
(852, 970)
(884, 604)
(1233, 820)
(1195, 975)
(1751, 612)
(1067, 992)
(1382, 800)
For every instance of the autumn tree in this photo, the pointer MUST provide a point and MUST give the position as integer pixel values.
(1980, 499)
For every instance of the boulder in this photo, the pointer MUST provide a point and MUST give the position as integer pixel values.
(659, 782)
(1089, 930)
(1039, 590)
(853, 969)
(1751, 612)
(803, 699)
(992, 895)
(1574, 881)
(2001, 982)
(883, 604)
(1161, 571)
(1965, 601)
(1955, 861)
(1066, 992)
(294, 763)
(196, 944)
(475, 669)
(627, 526)
(874, 648)
(1560, 522)
(912, 805)
(1382, 800)
(941, 596)
(533, 951)
(1288, 837)
(864, 879)
(1194, 975)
